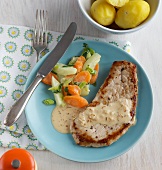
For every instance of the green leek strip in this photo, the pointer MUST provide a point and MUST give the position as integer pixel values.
(85, 90)
(64, 70)
(90, 70)
(82, 84)
(72, 61)
(48, 101)
(87, 51)
(57, 86)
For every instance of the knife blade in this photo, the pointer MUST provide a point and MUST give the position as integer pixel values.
(47, 66)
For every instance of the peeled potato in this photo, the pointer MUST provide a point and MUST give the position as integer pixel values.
(117, 3)
(132, 14)
(103, 12)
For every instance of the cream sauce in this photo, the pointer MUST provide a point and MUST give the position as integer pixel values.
(117, 112)
(63, 116)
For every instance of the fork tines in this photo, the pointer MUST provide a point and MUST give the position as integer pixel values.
(40, 32)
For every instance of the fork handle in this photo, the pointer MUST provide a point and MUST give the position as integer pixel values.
(18, 107)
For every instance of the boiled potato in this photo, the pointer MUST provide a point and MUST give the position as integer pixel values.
(117, 3)
(132, 14)
(103, 12)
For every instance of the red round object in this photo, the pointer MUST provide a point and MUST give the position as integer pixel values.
(19, 157)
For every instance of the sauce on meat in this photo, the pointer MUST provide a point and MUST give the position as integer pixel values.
(117, 112)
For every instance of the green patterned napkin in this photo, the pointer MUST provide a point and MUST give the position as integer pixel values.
(17, 58)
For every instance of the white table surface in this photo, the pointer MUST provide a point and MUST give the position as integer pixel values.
(147, 49)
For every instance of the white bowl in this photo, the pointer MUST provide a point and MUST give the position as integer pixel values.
(85, 6)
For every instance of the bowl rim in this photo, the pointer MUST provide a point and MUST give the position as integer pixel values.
(108, 30)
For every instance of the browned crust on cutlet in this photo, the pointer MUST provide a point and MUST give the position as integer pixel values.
(85, 140)
(129, 90)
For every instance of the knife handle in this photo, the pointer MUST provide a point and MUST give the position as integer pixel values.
(18, 107)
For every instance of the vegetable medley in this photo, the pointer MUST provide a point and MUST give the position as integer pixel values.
(71, 82)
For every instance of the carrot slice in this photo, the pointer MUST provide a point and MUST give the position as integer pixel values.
(79, 63)
(95, 76)
(48, 79)
(82, 58)
(72, 90)
(83, 76)
(76, 101)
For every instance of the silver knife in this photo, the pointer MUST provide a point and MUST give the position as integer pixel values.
(46, 67)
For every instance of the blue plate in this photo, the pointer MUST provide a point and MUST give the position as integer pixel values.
(39, 115)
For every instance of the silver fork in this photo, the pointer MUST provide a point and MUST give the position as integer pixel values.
(40, 36)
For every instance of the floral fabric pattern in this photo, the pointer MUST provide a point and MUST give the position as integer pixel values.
(17, 59)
